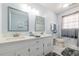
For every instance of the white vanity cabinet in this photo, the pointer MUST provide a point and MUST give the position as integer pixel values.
(30, 47)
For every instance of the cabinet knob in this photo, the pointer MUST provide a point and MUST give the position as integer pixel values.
(29, 50)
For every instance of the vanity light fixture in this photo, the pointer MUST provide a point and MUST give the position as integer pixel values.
(35, 11)
(29, 9)
(66, 5)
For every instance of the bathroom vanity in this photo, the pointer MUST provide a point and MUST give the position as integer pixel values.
(26, 46)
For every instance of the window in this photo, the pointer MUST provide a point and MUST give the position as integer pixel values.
(71, 21)
(70, 25)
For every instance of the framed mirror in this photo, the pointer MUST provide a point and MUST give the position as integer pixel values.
(17, 20)
(54, 28)
(39, 24)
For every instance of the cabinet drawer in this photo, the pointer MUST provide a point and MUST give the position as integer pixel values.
(36, 42)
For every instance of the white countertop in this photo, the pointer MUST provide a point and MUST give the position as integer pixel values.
(13, 39)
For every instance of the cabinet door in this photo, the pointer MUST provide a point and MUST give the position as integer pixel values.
(19, 52)
(14, 49)
(22, 49)
(6, 50)
(8, 53)
(47, 45)
(36, 50)
(22, 52)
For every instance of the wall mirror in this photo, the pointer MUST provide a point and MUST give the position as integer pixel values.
(54, 28)
(17, 20)
(39, 24)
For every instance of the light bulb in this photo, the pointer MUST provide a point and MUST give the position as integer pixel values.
(66, 5)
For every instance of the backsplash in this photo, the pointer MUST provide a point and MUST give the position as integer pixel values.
(11, 34)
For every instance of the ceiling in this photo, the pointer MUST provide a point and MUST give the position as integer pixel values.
(58, 7)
